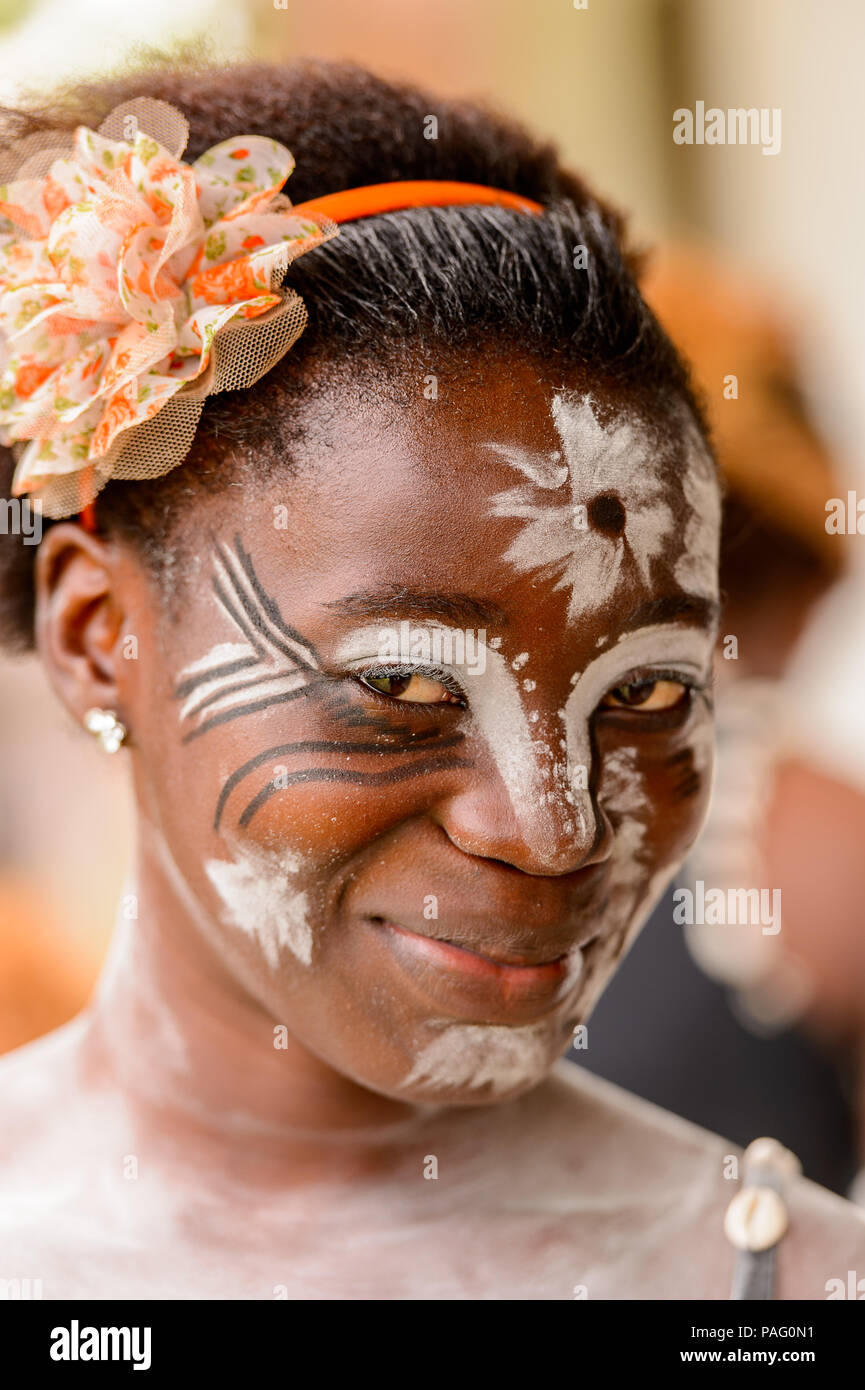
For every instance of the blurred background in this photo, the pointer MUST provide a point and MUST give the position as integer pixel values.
(759, 274)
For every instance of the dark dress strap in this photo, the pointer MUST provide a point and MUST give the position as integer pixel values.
(756, 1220)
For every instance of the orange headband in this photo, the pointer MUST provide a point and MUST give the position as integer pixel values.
(351, 204)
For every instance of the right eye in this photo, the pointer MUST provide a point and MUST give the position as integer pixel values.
(412, 688)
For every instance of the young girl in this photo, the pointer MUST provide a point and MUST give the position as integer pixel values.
(407, 642)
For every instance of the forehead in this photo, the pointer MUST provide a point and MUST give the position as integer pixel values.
(545, 503)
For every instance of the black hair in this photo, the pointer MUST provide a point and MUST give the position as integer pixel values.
(463, 279)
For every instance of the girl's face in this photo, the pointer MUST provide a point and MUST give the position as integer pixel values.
(430, 728)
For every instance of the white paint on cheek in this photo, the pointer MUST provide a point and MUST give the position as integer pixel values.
(622, 785)
(631, 886)
(467, 1056)
(622, 460)
(622, 792)
(260, 897)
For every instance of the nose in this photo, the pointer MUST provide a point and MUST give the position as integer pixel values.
(550, 829)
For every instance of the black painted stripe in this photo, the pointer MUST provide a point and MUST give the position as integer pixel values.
(366, 779)
(308, 746)
(269, 604)
(251, 709)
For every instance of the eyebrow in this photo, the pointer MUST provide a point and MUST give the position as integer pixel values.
(700, 612)
(460, 609)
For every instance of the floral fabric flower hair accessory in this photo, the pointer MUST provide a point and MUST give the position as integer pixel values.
(132, 286)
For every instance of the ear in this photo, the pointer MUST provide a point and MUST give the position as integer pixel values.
(79, 620)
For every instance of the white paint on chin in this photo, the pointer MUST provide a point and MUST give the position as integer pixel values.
(468, 1056)
(260, 897)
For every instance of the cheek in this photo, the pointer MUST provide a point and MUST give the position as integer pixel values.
(326, 791)
(679, 788)
(655, 793)
(286, 805)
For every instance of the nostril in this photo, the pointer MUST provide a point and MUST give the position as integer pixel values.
(606, 513)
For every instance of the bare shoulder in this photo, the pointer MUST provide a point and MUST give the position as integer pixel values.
(665, 1185)
(36, 1091)
(36, 1086)
(825, 1243)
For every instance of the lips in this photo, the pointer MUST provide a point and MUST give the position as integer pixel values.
(505, 961)
(540, 951)
(464, 957)
(508, 987)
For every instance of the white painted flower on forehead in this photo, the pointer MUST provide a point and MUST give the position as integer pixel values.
(697, 566)
(559, 536)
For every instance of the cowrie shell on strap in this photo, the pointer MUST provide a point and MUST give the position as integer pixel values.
(756, 1219)
(770, 1155)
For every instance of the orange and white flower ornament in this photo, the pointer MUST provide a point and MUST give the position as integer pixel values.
(132, 286)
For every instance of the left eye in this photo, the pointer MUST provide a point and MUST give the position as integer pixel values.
(646, 695)
(413, 689)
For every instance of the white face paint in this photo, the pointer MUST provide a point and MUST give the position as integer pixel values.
(631, 898)
(547, 792)
(497, 715)
(468, 1056)
(623, 793)
(684, 650)
(270, 664)
(697, 567)
(259, 896)
(557, 539)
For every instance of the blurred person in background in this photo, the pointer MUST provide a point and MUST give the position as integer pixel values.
(776, 1017)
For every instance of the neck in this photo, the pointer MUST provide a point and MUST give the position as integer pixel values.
(193, 1054)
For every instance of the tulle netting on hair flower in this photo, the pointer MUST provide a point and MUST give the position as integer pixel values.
(133, 286)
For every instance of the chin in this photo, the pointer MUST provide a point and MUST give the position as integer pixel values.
(482, 1063)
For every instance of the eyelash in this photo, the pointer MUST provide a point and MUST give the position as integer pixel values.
(642, 677)
(651, 677)
(433, 673)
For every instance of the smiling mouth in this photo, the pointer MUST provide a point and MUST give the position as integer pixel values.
(445, 951)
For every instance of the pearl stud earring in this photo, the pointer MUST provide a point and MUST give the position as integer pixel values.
(106, 727)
